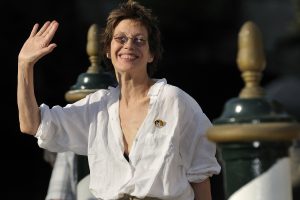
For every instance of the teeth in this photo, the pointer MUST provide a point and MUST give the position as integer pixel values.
(126, 56)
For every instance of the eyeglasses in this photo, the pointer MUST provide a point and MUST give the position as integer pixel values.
(123, 39)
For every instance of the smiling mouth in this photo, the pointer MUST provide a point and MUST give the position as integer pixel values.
(128, 56)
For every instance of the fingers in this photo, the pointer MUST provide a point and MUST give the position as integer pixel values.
(49, 33)
(43, 29)
(34, 30)
(50, 28)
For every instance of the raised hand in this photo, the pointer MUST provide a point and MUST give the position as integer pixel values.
(38, 43)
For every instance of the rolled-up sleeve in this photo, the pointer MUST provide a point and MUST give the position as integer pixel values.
(64, 128)
(46, 129)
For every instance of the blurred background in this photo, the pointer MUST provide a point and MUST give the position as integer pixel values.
(200, 47)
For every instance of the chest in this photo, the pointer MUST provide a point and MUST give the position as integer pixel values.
(131, 120)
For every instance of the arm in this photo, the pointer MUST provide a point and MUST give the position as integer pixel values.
(198, 154)
(36, 46)
(202, 190)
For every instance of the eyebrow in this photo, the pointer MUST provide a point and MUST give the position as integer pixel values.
(135, 35)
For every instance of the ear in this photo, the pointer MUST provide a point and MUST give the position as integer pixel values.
(150, 59)
(108, 55)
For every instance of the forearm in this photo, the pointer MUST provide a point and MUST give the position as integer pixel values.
(202, 190)
(29, 114)
(35, 47)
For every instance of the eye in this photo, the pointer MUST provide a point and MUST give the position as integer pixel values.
(139, 41)
(121, 39)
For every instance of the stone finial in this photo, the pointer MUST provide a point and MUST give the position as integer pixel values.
(252, 117)
(92, 49)
(251, 60)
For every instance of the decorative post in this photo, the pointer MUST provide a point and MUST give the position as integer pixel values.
(253, 134)
(94, 79)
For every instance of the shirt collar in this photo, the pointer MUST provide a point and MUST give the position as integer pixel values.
(154, 90)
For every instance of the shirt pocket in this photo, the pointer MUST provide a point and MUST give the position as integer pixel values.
(155, 148)
(149, 146)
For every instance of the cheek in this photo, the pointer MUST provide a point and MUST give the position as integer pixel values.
(112, 56)
(114, 49)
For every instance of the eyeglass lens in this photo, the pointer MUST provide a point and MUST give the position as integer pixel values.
(123, 39)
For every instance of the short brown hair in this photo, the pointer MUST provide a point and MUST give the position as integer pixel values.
(135, 11)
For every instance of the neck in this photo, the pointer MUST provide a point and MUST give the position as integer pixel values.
(134, 90)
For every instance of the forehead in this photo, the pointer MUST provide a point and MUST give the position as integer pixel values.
(131, 27)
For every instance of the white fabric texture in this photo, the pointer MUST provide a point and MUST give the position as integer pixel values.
(63, 182)
(163, 159)
(82, 189)
(63, 179)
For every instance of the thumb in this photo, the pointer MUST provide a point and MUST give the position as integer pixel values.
(46, 50)
(51, 47)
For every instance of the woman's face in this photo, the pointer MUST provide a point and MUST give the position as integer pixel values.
(129, 49)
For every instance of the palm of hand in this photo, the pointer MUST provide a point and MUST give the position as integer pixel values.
(38, 43)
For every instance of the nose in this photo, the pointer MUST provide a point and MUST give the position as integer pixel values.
(129, 43)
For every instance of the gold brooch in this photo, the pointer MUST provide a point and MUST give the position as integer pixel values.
(159, 123)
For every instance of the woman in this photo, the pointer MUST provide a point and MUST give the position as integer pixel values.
(145, 139)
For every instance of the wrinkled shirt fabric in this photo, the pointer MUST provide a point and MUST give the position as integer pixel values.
(164, 157)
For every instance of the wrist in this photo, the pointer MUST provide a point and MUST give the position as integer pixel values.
(22, 63)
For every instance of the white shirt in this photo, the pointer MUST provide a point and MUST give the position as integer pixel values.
(163, 159)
